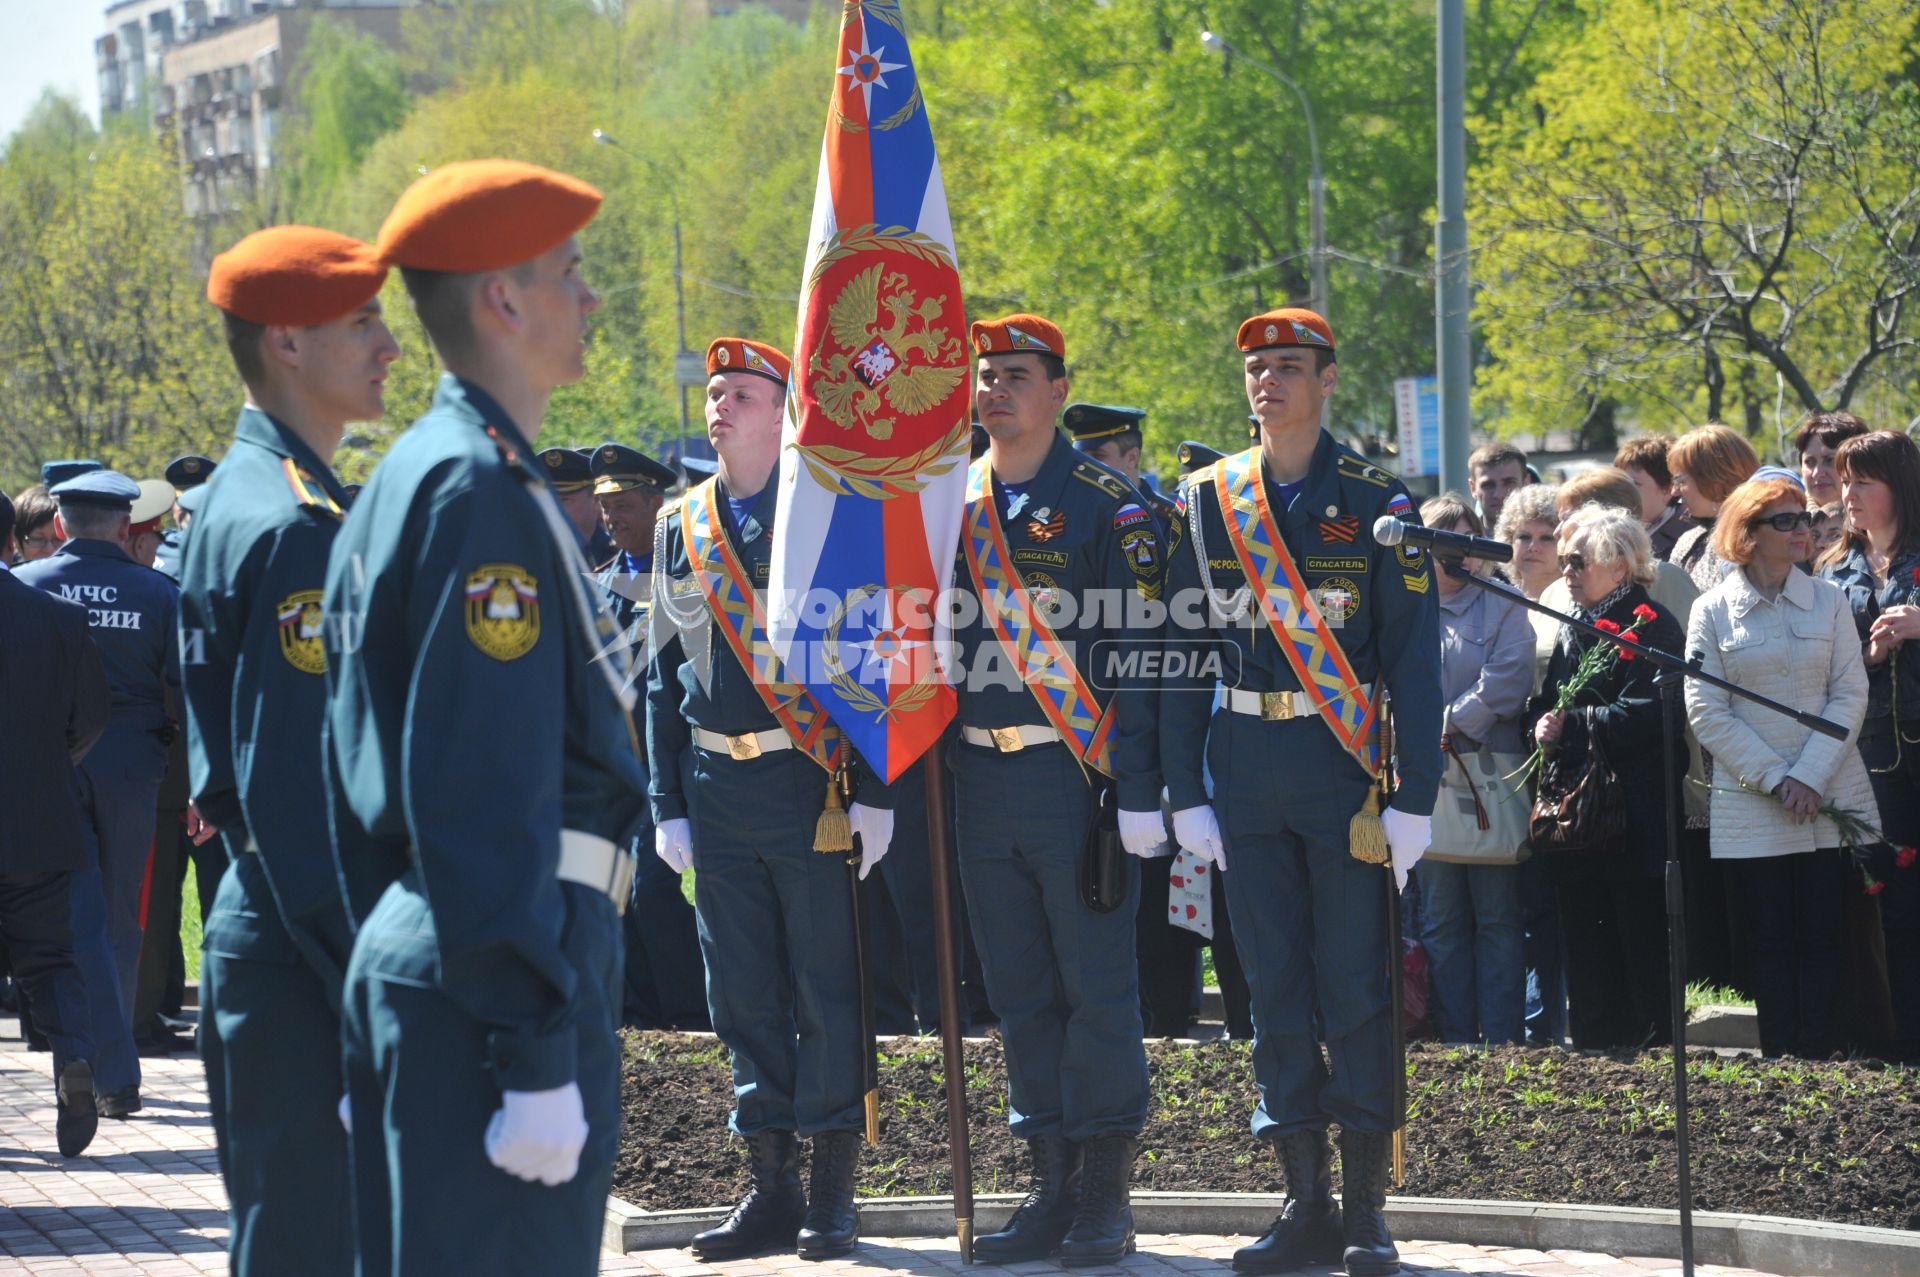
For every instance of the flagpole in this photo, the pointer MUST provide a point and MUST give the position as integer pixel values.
(947, 953)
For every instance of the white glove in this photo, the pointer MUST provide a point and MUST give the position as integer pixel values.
(673, 843)
(874, 828)
(538, 1135)
(346, 1113)
(1144, 833)
(1408, 838)
(1197, 830)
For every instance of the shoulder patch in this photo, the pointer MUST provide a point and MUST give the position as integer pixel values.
(1100, 477)
(308, 492)
(1129, 515)
(503, 610)
(298, 619)
(1353, 467)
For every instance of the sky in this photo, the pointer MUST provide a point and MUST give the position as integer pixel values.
(47, 44)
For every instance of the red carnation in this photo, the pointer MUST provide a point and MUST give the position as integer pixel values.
(1875, 887)
(1905, 857)
(1608, 626)
(1630, 637)
(1916, 576)
(1641, 612)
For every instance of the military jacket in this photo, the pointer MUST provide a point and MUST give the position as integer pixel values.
(724, 700)
(1089, 554)
(470, 718)
(255, 666)
(1379, 601)
(132, 613)
(1868, 601)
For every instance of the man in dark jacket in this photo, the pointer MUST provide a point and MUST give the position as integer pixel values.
(54, 697)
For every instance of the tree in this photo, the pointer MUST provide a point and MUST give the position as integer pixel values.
(1712, 210)
(353, 90)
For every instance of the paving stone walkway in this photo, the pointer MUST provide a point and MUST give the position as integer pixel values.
(146, 1201)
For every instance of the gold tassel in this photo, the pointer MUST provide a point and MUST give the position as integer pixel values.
(834, 832)
(1366, 836)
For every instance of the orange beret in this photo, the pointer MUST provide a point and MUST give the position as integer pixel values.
(482, 215)
(737, 354)
(295, 276)
(1288, 326)
(1016, 333)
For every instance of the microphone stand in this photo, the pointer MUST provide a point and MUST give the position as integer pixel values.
(1674, 671)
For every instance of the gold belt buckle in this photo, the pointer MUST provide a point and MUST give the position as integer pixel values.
(1276, 707)
(744, 748)
(1007, 739)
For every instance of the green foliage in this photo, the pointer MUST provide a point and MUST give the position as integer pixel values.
(353, 90)
(1708, 212)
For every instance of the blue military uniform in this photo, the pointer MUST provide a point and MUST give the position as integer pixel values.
(132, 613)
(1062, 978)
(766, 902)
(1309, 920)
(480, 757)
(665, 985)
(276, 938)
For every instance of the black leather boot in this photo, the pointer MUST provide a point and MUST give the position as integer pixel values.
(832, 1224)
(77, 1115)
(1363, 1193)
(1102, 1229)
(1307, 1229)
(1046, 1214)
(768, 1217)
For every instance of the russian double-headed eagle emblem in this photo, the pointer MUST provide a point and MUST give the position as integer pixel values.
(887, 355)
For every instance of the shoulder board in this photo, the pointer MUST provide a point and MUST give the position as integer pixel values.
(509, 455)
(307, 491)
(1201, 478)
(670, 509)
(1353, 467)
(1102, 478)
(602, 567)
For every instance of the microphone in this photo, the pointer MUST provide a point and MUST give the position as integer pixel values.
(1388, 530)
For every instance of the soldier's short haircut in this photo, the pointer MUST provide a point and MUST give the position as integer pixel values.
(1490, 455)
(92, 520)
(244, 338)
(444, 302)
(1056, 367)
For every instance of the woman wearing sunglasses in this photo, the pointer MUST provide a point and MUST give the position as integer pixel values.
(1877, 567)
(1772, 628)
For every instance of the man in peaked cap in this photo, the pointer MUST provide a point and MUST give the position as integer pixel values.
(55, 473)
(184, 474)
(485, 779)
(301, 312)
(189, 471)
(1068, 541)
(741, 772)
(665, 985)
(569, 473)
(1301, 902)
(132, 613)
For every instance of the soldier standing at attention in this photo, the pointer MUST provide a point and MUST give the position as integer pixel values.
(666, 986)
(301, 311)
(132, 613)
(1297, 592)
(483, 768)
(1051, 538)
(743, 761)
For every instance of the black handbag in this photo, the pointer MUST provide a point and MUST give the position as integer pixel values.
(1103, 863)
(1581, 806)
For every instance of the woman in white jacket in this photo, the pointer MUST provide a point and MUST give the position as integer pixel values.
(1773, 629)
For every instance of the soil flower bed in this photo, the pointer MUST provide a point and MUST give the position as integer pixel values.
(1836, 1141)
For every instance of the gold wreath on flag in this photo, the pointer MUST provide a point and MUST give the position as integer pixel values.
(859, 696)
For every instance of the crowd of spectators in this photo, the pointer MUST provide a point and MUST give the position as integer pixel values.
(1802, 585)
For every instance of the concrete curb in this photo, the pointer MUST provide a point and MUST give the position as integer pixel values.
(1768, 1243)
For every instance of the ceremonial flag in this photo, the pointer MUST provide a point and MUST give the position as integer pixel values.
(874, 450)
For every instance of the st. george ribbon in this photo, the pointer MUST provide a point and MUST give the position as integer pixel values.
(873, 456)
(1388, 530)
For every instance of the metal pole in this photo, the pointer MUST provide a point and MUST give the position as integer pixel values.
(947, 962)
(1671, 684)
(1318, 186)
(1450, 249)
(680, 311)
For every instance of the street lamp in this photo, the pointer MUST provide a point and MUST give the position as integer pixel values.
(679, 285)
(1316, 183)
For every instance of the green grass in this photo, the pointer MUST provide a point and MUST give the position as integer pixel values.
(190, 929)
(1712, 995)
